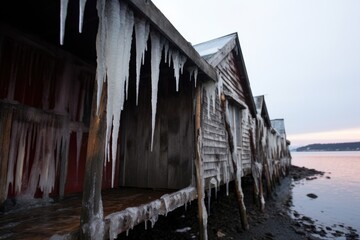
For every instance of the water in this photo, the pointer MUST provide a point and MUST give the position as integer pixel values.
(338, 190)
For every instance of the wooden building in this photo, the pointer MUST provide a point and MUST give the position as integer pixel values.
(94, 124)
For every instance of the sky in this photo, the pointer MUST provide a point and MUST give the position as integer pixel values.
(303, 55)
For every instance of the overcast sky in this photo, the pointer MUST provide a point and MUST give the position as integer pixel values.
(303, 55)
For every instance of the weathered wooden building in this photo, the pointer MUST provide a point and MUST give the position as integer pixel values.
(109, 112)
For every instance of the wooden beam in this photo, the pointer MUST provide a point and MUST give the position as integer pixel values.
(199, 169)
(238, 189)
(157, 18)
(92, 222)
(5, 131)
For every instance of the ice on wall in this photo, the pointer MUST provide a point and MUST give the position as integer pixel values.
(48, 137)
(142, 29)
(63, 13)
(157, 45)
(210, 88)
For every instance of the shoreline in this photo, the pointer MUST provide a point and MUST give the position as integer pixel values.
(277, 221)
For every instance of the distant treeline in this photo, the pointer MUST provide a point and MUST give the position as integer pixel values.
(351, 146)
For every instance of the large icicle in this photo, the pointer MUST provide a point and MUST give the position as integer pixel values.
(100, 51)
(120, 24)
(142, 29)
(156, 50)
(63, 13)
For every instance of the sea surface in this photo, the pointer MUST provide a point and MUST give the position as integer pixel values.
(337, 205)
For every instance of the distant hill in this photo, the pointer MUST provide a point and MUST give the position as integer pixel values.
(350, 146)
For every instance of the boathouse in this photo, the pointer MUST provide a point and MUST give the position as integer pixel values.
(98, 100)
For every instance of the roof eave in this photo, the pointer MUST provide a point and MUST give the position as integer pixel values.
(157, 18)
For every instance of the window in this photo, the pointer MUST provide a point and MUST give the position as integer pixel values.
(235, 124)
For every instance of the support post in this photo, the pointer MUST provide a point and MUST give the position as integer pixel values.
(92, 219)
(199, 169)
(257, 172)
(5, 131)
(238, 189)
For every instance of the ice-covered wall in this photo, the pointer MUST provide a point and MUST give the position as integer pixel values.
(114, 40)
(50, 96)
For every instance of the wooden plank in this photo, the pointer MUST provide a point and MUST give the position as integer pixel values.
(5, 132)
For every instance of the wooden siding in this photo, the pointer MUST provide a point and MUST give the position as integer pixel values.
(231, 77)
(215, 148)
(169, 165)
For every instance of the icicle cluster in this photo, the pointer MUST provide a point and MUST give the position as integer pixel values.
(49, 138)
(113, 46)
(63, 14)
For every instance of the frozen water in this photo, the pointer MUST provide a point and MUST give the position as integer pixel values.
(100, 51)
(81, 14)
(63, 13)
(156, 50)
(178, 64)
(120, 24)
(142, 29)
(210, 88)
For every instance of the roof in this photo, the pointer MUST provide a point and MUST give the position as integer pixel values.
(209, 48)
(279, 125)
(262, 109)
(215, 50)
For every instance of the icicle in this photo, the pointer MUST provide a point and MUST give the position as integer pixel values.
(156, 50)
(100, 51)
(210, 88)
(196, 75)
(178, 64)
(220, 83)
(120, 24)
(81, 14)
(20, 158)
(142, 29)
(15, 132)
(193, 72)
(166, 52)
(63, 13)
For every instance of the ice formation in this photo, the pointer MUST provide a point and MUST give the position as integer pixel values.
(142, 29)
(210, 89)
(50, 139)
(82, 4)
(119, 25)
(156, 50)
(63, 13)
(128, 218)
(178, 63)
(193, 72)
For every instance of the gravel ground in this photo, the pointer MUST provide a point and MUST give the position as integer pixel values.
(224, 220)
